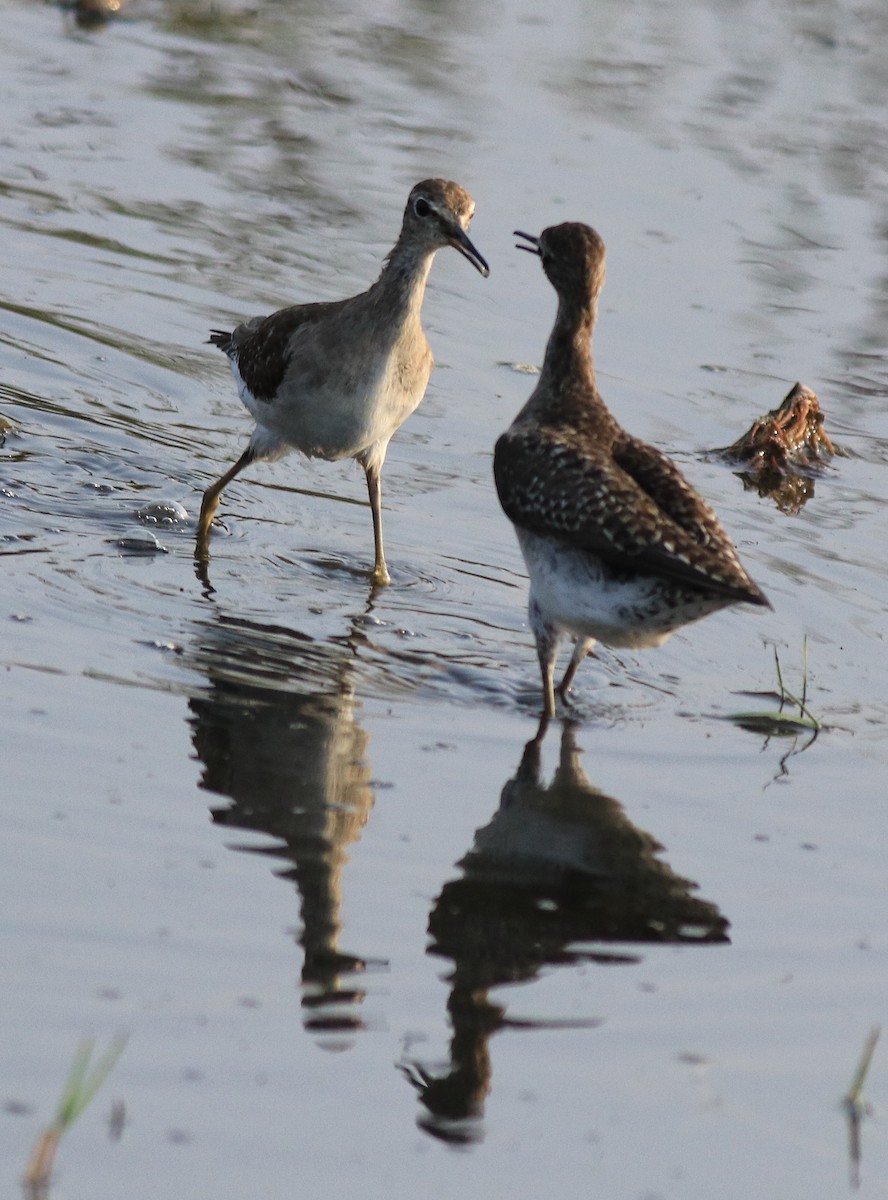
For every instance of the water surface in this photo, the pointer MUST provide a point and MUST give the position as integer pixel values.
(295, 838)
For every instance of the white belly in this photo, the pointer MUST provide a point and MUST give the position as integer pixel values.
(575, 593)
(335, 413)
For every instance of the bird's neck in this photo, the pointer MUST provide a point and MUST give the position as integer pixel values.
(402, 281)
(567, 389)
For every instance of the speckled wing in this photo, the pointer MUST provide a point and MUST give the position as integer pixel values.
(632, 507)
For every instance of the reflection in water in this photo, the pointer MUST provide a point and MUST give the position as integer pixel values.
(789, 491)
(558, 867)
(277, 735)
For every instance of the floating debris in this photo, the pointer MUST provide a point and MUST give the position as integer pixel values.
(92, 14)
(521, 368)
(780, 450)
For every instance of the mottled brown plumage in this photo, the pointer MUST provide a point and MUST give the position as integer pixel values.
(335, 380)
(618, 545)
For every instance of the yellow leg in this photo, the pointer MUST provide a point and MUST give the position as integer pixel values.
(210, 503)
(548, 691)
(546, 638)
(581, 649)
(547, 649)
(374, 488)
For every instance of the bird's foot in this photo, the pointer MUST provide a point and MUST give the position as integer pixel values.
(380, 576)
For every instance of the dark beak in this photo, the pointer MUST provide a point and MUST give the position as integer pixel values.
(533, 248)
(460, 240)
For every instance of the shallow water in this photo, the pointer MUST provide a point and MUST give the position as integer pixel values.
(251, 822)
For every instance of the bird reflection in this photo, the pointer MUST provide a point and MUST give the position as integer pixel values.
(558, 874)
(278, 737)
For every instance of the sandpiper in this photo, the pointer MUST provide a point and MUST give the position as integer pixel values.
(335, 380)
(618, 546)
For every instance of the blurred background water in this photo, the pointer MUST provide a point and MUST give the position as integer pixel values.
(253, 822)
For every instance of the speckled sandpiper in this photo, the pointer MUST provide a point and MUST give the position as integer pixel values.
(335, 380)
(618, 546)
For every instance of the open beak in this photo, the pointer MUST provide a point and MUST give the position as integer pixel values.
(461, 241)
(533, 248)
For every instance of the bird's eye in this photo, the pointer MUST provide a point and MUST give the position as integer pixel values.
(421, 207)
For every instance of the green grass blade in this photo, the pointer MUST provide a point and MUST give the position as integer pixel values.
(854, 1098)
(82, 1084)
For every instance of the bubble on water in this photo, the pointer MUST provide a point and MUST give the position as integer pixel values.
(141, 545)
(162, 512)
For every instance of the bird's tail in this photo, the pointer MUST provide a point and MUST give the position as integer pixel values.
(220, 338)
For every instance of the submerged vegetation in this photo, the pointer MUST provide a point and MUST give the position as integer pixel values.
(79, 1091)
(784, 722)
(856, 1106)
(793, 717)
